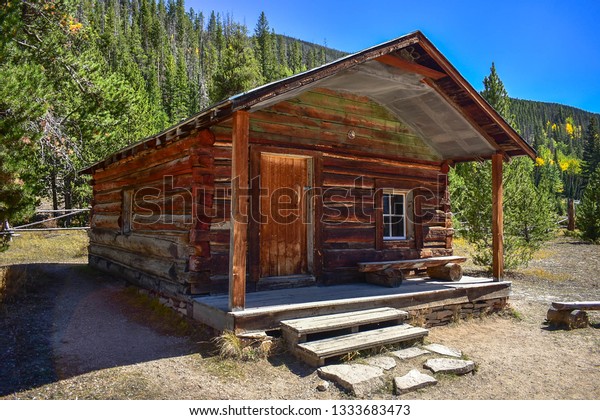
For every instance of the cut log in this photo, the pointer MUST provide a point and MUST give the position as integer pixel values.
(567, 318)
(449, 272)
(584, 306)
(388, 277)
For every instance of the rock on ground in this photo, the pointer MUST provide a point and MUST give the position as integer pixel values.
(383, 362)
(444, 365)
(323, 386)
(409, 353)
(412, 381)
(360, 380)
(443, 350)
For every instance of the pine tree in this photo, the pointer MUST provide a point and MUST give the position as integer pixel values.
(591, 149)
(528, 216)
(295, 62)
(264, 48)
(589, 210)
(239, 71)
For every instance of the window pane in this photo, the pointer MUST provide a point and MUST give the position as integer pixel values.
(398, 226)
(386, 204)
(398, 205)
(387, 231)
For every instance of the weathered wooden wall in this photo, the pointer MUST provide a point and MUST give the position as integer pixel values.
(187, 183)
(167, 248)
(383, 153)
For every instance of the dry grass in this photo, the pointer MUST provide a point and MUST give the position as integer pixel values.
(230, 346)
(540, 273)
(13, 281)
(148, 310)
(36, 247)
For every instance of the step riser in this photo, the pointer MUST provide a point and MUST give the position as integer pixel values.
(297, 330)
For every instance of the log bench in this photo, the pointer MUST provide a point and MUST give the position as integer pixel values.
(392, 273)
(571, 314)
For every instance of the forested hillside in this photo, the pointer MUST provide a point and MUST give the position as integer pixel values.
(552, 125)
(81, 79)
(84, 78)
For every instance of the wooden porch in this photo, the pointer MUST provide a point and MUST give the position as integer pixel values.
(265, 310)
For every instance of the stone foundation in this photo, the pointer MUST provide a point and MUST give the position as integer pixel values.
(443, 315)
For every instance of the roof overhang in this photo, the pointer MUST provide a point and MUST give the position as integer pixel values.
(408, 76)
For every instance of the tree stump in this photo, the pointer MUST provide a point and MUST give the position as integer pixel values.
(388, 277)
(449, 272)
(567, 318)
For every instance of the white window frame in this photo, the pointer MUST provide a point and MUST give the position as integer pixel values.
(387, 213)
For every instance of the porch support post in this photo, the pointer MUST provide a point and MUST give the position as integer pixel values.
(497, 219)
(239, 211)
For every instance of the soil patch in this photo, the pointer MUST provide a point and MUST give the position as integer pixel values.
(78, 333)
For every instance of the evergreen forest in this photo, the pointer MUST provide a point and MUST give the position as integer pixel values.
(80, 79)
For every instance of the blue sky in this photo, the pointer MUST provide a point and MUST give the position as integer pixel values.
(544, 50)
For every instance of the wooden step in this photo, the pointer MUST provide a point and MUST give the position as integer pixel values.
(315, 352)
(297, 330)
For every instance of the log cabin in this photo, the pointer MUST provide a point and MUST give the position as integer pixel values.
(272, 198)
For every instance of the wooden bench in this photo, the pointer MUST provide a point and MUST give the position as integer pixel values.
(392, 273)
(571, 314)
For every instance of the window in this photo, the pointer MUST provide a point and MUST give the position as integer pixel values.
(394, 211)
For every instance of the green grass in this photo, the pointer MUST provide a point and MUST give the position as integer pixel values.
(37, 247)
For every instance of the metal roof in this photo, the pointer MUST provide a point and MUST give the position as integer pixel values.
(407, 75)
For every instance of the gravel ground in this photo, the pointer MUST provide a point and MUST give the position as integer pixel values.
(79, 334)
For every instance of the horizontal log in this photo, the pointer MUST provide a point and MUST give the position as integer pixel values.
(173, 270)
(396, 137)
(164, 246)
(327, 142)
(110, 208)
(181, 222)
(585, 306)
(379, 168)
(155, 175)
(351, 113)
(409, 264)
(448, 272)
(348, 214)
(346, 181)
(333, 259)
(388, 277)
(102, 221)
(436, 233)
(203, 139)
(361, 234)
(107, 197)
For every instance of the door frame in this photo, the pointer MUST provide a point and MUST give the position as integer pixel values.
(314, 211)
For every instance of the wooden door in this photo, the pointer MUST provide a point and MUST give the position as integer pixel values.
(284, 210)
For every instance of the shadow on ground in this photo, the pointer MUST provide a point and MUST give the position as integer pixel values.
(67, 320)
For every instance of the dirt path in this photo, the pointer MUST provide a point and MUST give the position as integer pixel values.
(79, 334)
(72, 321)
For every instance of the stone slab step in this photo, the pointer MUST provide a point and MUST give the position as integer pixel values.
(315, 352)
(296, 330)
